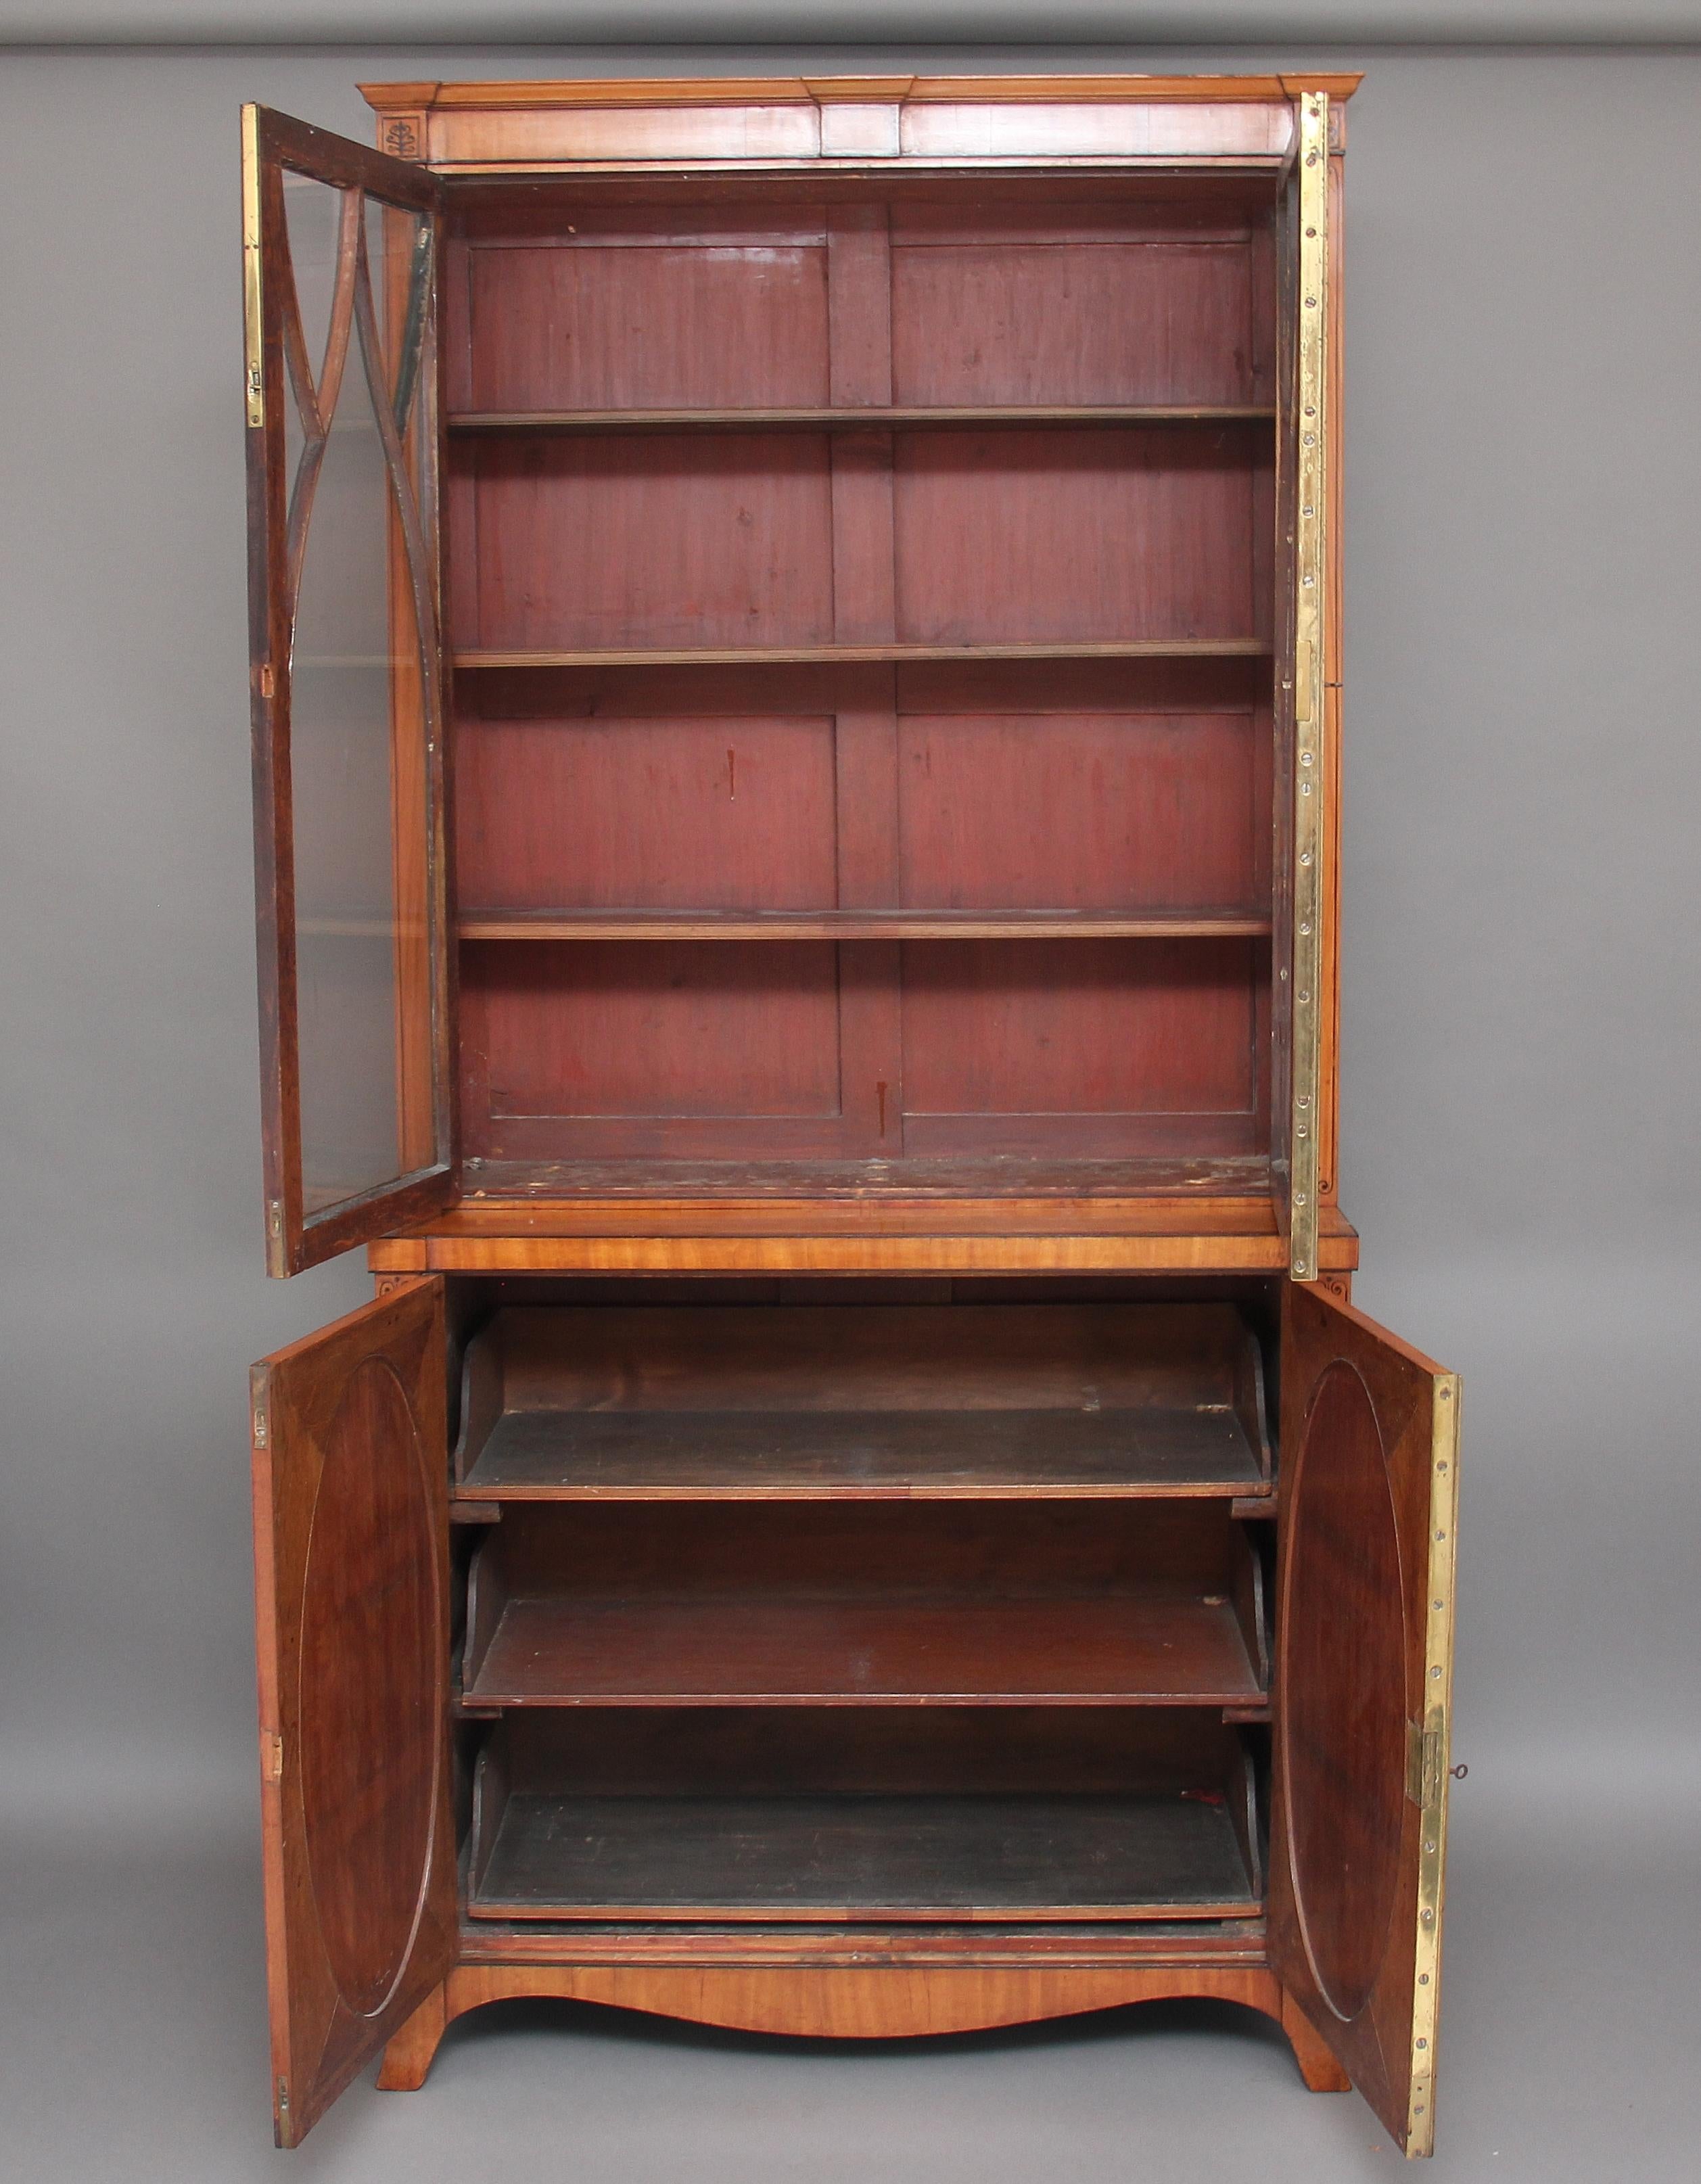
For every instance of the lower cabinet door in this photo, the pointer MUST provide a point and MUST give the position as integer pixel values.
(350, 1479)
(1370, 1473)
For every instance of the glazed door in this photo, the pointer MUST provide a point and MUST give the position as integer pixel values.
(340, 253)
(1303, 568)
(1369, 1472)
(351, 1563)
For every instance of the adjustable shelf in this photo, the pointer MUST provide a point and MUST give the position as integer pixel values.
(1152, 1643)
(861, 1403)
(861, 419)
(826, 1456)
(828, 655)
(857, 925)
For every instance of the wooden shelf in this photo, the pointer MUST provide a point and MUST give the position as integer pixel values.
(857, 925)
(828, 656)
(898, 417)
(1154, 1643)
(848, 1857)
(535, 1191)
(829, 1455)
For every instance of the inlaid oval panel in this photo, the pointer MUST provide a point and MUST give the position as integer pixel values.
(1343, 1686)
(369, 1706)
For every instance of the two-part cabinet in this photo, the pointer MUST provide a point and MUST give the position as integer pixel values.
(796, 690)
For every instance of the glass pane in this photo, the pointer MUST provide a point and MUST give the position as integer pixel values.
(312, 213)
(360, 707)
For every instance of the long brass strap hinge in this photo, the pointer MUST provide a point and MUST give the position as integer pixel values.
(253, 311)
(1427, 1763)
(1310, 667)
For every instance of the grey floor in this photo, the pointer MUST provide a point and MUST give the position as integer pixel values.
(133, 2047)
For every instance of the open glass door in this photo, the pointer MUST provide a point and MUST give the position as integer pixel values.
(340, 255)
(1369, 1476)
(351, 1563)
(1302, 564)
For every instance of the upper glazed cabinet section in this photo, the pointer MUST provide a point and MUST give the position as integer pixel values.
(497, 128)
(860, 551)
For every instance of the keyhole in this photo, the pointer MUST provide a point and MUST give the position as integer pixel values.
(731, 775)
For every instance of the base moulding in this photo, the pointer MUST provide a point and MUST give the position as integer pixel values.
(849, 2002)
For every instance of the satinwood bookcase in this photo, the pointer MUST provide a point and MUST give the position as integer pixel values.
(797, 698)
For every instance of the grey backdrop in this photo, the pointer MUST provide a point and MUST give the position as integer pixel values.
(1522, 1052)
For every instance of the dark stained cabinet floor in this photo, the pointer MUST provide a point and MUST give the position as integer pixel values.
(854, 1856)
(807, 1814)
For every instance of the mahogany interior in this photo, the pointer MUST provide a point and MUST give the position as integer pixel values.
(1105, 787)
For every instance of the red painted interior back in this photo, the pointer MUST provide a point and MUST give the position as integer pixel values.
(1133, 787)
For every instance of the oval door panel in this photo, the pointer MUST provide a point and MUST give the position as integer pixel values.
(1343, 1680)
(370, 1707)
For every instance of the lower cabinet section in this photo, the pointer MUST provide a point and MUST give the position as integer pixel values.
(865, 1668)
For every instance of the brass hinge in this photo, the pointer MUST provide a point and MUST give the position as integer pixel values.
(259, 1425)
(1423, 1750)
(1310, 665)
(270, 1755)
(254, 313)
(1430, 1768)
